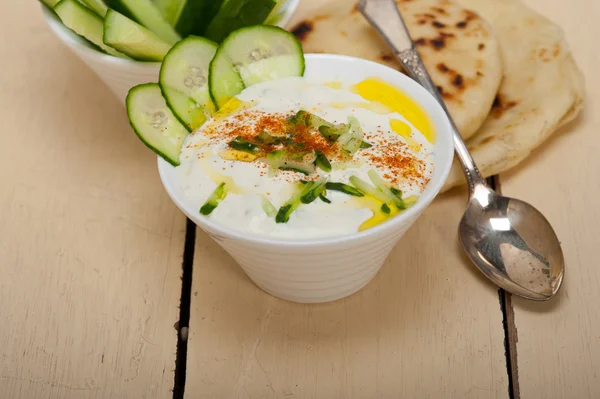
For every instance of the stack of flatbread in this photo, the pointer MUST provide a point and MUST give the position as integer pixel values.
(505, 72)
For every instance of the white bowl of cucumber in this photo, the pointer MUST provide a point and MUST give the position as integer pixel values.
(123, 53)
(312, 229)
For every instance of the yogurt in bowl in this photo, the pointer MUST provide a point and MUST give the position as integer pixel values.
(306, 217)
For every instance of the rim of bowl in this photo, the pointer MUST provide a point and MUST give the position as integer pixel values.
(432, 190)
(73, 40)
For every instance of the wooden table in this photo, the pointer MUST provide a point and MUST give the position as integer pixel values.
(91, 255)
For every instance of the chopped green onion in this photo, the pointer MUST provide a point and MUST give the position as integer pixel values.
(385, 209)
(241, 144)
(322, 161)
(214, 199)
(344, 188)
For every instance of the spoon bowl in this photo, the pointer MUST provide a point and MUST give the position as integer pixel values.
(513, 244)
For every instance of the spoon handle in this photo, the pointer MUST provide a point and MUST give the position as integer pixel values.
(384, 16)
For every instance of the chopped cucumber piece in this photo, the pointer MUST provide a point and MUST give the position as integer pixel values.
(382, 186)
(195, 16)
(344, 188)
(98, 6)
(185, 70)
(291, 162)
(332, 133)
(189, 113)
(133, 39)
(365, 145)
(268, 207)
(154, 123)
(283, 215)
(241, 144)
(368, 189)
(385, 209)
(252, 55)
(147, 14)
(235, 14)
(214, 199)
(84, 22)
(50, 3)
(316, 190)
(171, 9)
(275, 16)
(310, 120)
(351, 141)
(324, 198)
(322, 162)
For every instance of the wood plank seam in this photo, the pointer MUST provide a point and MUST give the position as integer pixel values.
(184, 310)
(508, 322)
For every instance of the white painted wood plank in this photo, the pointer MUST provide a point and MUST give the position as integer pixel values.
(90, 245)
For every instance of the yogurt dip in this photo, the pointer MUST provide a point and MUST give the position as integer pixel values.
(240, 150)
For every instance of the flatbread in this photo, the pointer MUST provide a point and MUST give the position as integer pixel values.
(541, 91)
(457, 47)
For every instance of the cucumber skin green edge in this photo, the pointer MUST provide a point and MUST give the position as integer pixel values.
(160, 74)
(157, 152)
(268, 27)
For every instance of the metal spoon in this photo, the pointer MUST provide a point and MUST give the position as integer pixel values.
(509, 240)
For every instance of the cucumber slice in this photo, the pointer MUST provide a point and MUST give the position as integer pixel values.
(154, 123)
(275, 16)
(50, 3)
(196, 16)
(98, 6)
(235, 14)
(132, 38)
(84, 22)
(185, 71)
(252, 55)
(189, 113)
(170, 9)
(147, 14)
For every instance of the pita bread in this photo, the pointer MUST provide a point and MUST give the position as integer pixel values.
(456, 45)
(541, 91)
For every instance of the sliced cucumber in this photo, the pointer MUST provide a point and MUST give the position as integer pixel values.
(185, 71)
(133, 39)
(252, 55)
(196, 16)
(98, 6)
(189, 113)
(275, 16)
(170, 9)
(154, 123)
(84, 22)
(214, 199)
(147, 14)
(50, 3)
(235, 14)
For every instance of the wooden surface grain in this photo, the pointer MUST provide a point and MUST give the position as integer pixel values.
(558, 348)
(428, 326)
(90, 246)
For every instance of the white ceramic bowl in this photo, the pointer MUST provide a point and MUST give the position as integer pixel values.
(120, 74)
(332, 268)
